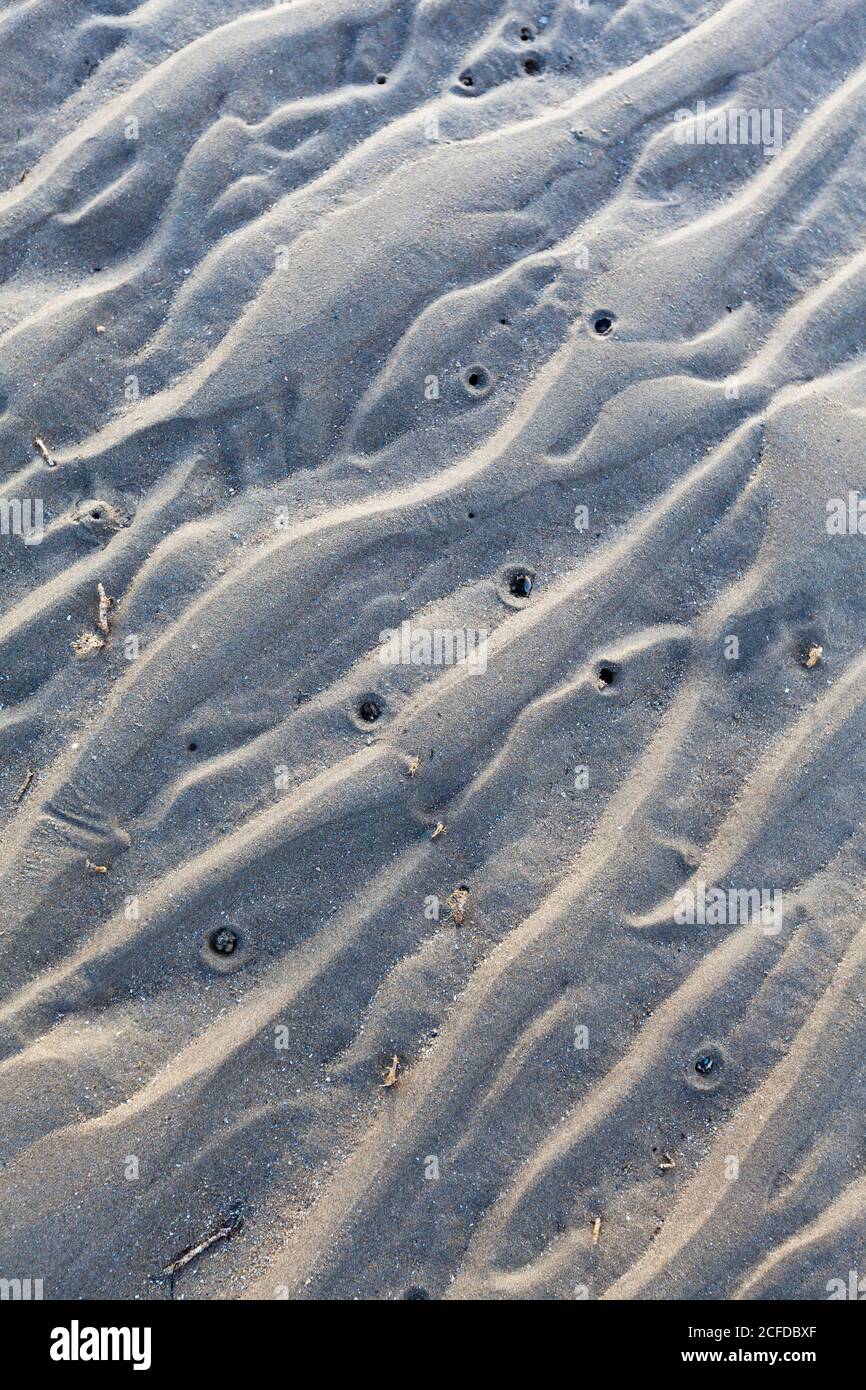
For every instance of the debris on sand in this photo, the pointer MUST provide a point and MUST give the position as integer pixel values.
(813, 656)
(457, 902)
(224, 1231)
(95, 868)
(86, 643)
(89, 642)
(25, 786)
(42, 450)
(104, 604)
(439, 829)
(414, 764)
(596, 1230)
(667, 1162)
(389, 1076)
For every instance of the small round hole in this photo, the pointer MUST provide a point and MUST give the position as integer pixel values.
(533, 65)
(381, 79)
(369, 711)
(224, 941)
(526, 34)
(602, 325)
(477, 380)
(192, 747)
(520, 584)
(466, 79)
(96, 515)
(705, 1064)
(416, 1293)
(606, 676)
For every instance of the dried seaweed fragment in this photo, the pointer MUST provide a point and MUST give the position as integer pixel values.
(104, 604)
(457, 901)
(86, 643)
(813, 656)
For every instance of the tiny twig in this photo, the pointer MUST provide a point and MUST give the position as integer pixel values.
(22, 790)
(42, 450)
(389, 1076)
(224, 1231)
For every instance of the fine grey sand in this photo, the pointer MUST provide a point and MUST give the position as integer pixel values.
(366, 972)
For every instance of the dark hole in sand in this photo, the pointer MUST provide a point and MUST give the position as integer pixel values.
(603, 325)
(477, 379)
(466, 79)
(369, 711)
(224, 941)
(520, 584)
(533, 65)
(705, 1064)
(381, 79)
(192, 747)
(471, 516)
(416, 1292)
(606, 675)
(96, 515)
(527, 34)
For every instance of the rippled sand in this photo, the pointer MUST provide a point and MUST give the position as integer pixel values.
(339, 315)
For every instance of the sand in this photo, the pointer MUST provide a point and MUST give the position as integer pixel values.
(360, 337)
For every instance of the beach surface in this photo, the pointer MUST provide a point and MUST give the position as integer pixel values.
(432, 658)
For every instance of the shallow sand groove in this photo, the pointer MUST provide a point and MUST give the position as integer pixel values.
(304, 302)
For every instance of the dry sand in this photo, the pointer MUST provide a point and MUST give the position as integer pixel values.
(303, 305)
